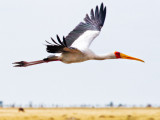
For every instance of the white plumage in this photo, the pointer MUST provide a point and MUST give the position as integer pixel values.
(84, 41)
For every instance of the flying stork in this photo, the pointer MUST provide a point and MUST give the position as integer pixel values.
(74, 48)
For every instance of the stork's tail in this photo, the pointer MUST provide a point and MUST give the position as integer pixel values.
(25, 64)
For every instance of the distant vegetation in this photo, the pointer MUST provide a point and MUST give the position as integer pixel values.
(109, 105)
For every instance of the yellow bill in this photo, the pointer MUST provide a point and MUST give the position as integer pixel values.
(124, 56)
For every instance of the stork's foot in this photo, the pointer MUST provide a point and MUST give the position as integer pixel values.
(20, 64)
(25, 64)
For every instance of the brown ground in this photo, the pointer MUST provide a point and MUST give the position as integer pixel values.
(80, 114)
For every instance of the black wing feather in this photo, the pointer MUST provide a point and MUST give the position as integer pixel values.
(88, 19)
(48, 42)
(54, 41)
(92, 14)
(64, 41)
(97, 14)
(59, 41)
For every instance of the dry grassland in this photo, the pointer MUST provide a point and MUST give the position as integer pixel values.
(81, 114)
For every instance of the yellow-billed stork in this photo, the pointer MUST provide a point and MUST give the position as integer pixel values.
(75, 47)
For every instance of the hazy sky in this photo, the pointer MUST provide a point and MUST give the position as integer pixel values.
(131, 27)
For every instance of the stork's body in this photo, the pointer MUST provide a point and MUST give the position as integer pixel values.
(75, 47)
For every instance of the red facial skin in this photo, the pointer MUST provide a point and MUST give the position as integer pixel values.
(117, 54)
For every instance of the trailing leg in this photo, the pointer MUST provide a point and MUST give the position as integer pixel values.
(25, 64)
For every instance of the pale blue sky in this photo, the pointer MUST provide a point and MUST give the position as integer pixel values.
(131, 27)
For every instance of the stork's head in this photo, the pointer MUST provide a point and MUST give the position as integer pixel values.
(124, 56)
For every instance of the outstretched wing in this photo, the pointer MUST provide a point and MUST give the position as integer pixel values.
(82, 36)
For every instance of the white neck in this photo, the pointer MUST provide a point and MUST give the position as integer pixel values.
(105, 56)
